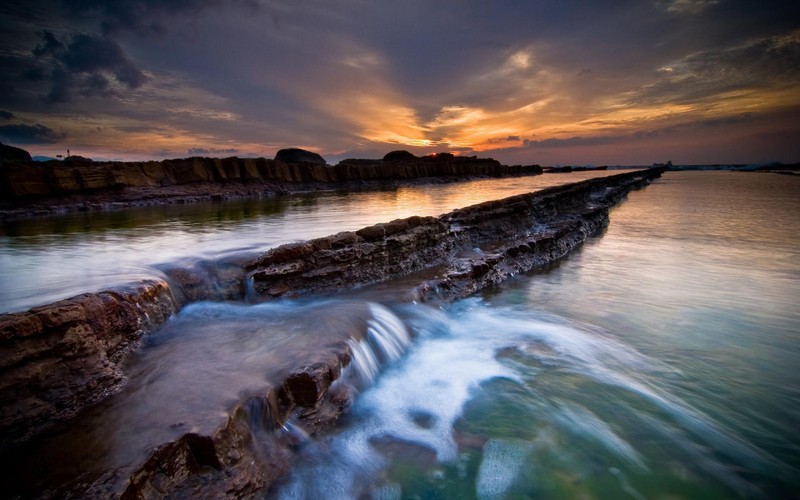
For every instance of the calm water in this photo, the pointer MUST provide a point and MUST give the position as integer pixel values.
(659, 361)
(44, 260)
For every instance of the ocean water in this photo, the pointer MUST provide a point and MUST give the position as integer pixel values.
(657, 361)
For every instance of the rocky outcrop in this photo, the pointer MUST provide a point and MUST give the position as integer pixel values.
(41, 188)
(61, 357)
(64, 356)
(511, 235)
(400, 155)
(402, 164)
(12, 154)
(297, 155)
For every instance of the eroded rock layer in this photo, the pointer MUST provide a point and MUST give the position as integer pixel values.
(62, 357)
(31, 188)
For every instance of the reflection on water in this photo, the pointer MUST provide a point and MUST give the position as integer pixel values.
(43, 260)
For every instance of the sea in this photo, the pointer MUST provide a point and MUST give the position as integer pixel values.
(659, 360)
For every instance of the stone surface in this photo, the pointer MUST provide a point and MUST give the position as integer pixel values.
(524, 231)
(58, 358)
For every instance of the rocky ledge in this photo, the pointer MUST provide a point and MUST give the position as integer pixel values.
(66, 356)
(79, 184)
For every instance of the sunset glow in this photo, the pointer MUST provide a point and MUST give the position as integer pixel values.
(623, 83)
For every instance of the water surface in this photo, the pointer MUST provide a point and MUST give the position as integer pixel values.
(659, 361)
(46, 259)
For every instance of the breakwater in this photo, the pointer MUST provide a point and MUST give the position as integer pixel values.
(466, 250)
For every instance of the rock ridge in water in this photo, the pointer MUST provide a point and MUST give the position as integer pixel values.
(512, 235)
(39, 188)
(469, 248)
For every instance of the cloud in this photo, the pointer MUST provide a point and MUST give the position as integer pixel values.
(571, 142)
(687, 6)
(85, 64)
(145, 17)
(208, 151)
(29, 134)
(758, 64)
(5, 115)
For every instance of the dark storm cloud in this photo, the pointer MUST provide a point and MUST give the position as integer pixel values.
(82, 65)
(146, 17)
(29, 134)
(5, 115)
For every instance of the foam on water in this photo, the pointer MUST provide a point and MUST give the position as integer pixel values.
(419, 399)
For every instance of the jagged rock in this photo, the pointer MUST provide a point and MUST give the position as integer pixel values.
(297, 155)
(10, 153)
(53, 187)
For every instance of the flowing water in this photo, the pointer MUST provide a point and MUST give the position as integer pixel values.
(658, 361)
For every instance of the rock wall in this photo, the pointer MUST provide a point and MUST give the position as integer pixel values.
(107, 184)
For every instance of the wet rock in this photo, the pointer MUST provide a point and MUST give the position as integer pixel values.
(61, 357)
(527, 231)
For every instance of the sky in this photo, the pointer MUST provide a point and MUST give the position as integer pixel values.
(612, 82)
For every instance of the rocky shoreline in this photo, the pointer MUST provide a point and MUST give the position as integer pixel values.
(30, 188)
(64, 357)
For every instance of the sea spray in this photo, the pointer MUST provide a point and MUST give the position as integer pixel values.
(541, 365)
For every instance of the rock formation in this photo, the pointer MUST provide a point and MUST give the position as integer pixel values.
(65, 356)
(297, 155)
(61, 357)
(12, 154)
(513, 235)
(40, 188)
(400, 155)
